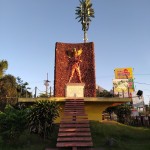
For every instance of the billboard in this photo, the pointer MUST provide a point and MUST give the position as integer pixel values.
(123, 85)
(123, 73)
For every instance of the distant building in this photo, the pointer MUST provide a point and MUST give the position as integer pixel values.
(99, 88)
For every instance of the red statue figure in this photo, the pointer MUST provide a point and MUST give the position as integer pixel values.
(75, 60)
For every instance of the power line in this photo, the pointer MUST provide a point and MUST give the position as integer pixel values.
(40, 90)
(142, 83)
(142, 74)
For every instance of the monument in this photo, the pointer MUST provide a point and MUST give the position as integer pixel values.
(75, 62)
(74, 66)
(74, 71)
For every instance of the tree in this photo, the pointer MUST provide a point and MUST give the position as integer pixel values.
(8, 91)
(8, 86)
(84, 13)
(22, 89)
(123, 113)
(12, 124)
(104, 93)
(3, 67)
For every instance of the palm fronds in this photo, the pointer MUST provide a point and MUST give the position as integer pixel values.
(84, 14)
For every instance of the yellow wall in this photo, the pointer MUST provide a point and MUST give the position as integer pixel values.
(94, 110)
(94, 106)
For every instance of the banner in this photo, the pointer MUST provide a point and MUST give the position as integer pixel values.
(123, 85)
(123, 73)
(120, 85)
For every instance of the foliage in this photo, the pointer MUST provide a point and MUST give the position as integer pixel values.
(8, 86)
(8, 91)
(41, 117)
(123, 113)
(43, 95)
(29, 141)
(84, 13)
(11, 86)
(104, 93)
(12, 124)
(3, 67)
(22, 89)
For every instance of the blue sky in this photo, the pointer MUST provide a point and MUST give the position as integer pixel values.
(120, 31)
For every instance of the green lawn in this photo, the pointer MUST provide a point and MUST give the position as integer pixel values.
(110, 136)
(115, 136)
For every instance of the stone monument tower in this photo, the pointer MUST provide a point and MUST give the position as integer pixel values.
(74, 69)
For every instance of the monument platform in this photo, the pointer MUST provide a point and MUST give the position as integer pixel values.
(74, 90)
(94, 106)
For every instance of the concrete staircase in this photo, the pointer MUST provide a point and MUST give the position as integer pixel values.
(74, 131)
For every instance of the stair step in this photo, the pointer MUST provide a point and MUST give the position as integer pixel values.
(62, 139)
(74, 111)
(74, 114)
(76, 108)
(74, 102)
(76, 122)
(74, 125)
(74, 119)
(74, 144)
(74, 129)
(80, 134)
(73, 106)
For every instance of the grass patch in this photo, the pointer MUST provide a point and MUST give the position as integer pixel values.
(110, 136)
(115, 136)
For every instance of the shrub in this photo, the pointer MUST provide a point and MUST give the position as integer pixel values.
(123, 113)
(12, 124)
(41, 117)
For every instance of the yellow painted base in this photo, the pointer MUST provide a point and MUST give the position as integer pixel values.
(94, 106)
(94, 110)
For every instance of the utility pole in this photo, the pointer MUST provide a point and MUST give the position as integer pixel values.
(46, 83)
(50, 91)
(35, 92)
(26, 92)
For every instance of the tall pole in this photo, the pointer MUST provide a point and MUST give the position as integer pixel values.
(35, 92)
(46, 83)
(26, 92)
(85, 37)
(50, 91)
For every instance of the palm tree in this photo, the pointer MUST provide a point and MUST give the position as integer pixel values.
(84, 13)
(3, 67)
